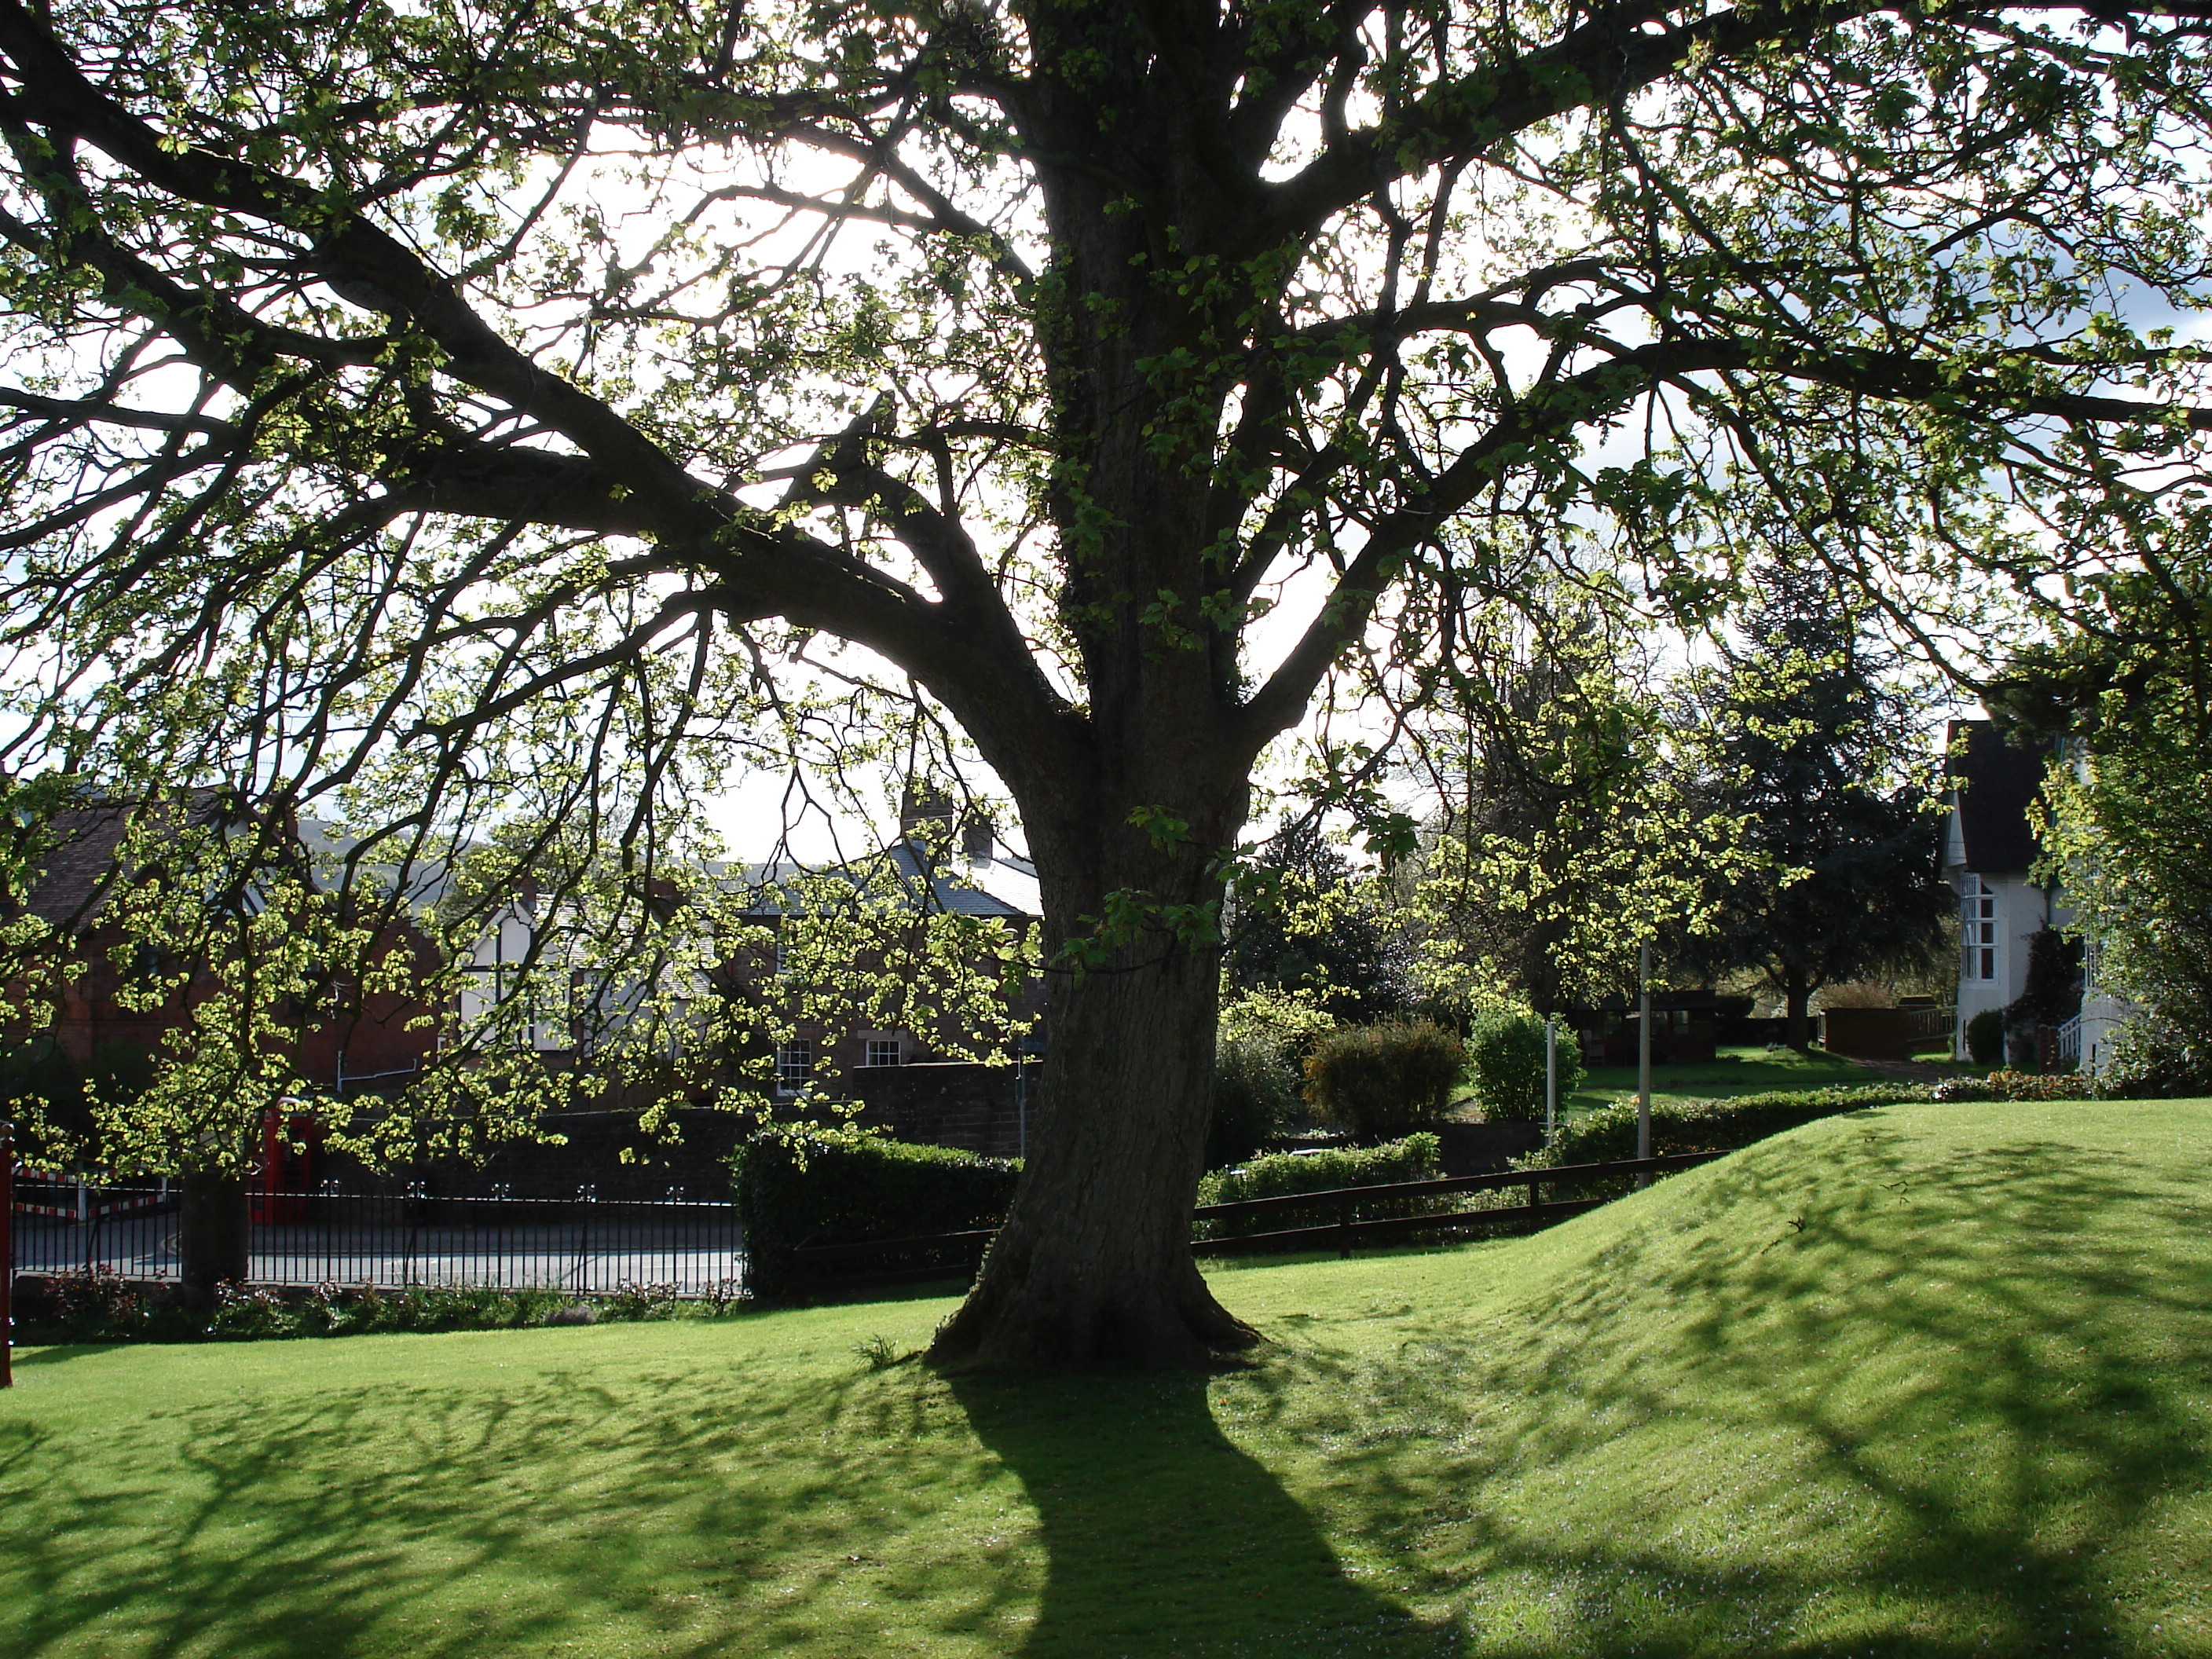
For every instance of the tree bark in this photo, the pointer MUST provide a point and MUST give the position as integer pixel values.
(1797, 1019)
(1093, 1266)
(213, 1240)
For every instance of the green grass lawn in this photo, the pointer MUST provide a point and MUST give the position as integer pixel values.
(1730, 1071)
(1923, 1380)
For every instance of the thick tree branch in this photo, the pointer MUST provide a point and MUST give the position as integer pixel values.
(765, 570)
(1601, 62)
(1574, 400)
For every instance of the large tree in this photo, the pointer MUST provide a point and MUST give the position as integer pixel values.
(418, 411)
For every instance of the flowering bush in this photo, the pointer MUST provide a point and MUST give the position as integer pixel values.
(2027, 1085)
(96, 1304)
(2015, 1085)
(1964, 1088)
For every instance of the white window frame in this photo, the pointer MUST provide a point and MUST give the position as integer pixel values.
(878, 1051)
(1981, 932)
(794, 1066)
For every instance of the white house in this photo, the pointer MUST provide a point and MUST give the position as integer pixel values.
(922, 870)
(1990, 855)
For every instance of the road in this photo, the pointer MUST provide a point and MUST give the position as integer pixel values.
(594, 1255)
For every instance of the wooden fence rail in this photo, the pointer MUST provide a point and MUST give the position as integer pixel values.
(1341, 1235)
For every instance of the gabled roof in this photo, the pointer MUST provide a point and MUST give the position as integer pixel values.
(1003, 887)
(1992, 783)
(80, 868)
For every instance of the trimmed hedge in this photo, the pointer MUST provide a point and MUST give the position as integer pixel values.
(798, 1185)
(1413, 1158)
(2016, 1085)
(1711, 1125)
(99, 1305)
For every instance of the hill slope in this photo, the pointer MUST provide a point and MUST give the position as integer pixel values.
(1928, 1380)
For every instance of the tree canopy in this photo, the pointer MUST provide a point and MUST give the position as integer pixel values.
(468, 415)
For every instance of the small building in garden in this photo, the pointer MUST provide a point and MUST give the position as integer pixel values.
(1685, 1028)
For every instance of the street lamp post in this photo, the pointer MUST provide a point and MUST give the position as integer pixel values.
(1643, 1059)
(7, 1253)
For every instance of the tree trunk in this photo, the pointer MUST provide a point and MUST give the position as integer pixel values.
(213, 1235)
(1797, 1019)
(1129, 810)
(1093, 1266)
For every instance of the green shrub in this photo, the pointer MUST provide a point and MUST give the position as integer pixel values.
(100, 1306)
(1711, 1125)
(798, 1185)
(1413, 1158)
(1506, 1052)
(1377, 1081)
(2154, 1056)
(1255, 1093)
(1985, 1037)
(241, 1311)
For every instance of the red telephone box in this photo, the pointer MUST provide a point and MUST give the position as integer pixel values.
(278, 1190)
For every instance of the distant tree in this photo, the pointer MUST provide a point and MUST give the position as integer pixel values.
(1817, 745)
(1564, 836)
(1304, 922)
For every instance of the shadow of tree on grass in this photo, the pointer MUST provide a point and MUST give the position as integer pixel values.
(1163, 1538)
(1901, 1410)
(713, 1511)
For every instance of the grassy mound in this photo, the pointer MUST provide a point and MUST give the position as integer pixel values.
(1927, 1380)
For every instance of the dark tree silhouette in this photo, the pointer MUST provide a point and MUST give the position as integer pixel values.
(1813, 744)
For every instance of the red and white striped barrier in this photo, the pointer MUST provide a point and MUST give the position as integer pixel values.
(70, 1212)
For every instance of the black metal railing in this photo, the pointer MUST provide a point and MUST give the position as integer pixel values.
(582, 1245)
(859, 1263)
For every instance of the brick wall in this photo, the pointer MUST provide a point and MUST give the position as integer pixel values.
(959, 1104)
(592, 1157)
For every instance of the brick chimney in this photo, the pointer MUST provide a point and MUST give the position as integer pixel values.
(923, 803)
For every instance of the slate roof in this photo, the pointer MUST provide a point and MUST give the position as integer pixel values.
(1004, 887)
(1993, 783)
(81, 864)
